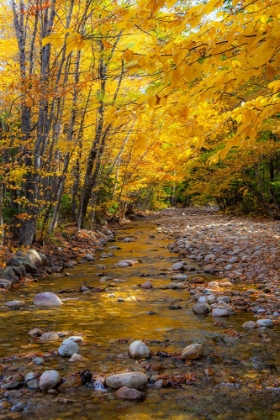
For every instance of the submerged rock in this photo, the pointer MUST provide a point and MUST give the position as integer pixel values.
(136, 380)
(147, 285)
(125, 393)
(193, 351)
(222, 309)
(201, 308)
(48, 336)
(249, 325)
(15, 304)
(47, 299)
(138, 349)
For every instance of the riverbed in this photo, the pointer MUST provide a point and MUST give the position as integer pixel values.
(237, 378)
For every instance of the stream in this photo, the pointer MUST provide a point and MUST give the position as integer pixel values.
(238, 377)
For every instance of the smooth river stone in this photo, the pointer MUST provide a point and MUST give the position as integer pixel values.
(136, 380)
(193, 351)
(68, 348)
(49, 380)
(265, 322)
(15, 304)
(47, 299)
(125, 393)
(138, 349)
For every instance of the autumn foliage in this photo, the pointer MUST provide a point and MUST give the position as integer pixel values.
(109, 104)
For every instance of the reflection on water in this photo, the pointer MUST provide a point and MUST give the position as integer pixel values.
(228, 380)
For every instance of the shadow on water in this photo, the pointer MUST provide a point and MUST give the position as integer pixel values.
(233, 381)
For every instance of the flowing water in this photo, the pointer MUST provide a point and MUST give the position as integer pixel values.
(237, 378)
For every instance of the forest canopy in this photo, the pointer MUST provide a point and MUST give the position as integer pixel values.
(107, 105)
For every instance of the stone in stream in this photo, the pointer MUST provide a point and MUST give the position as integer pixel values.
(38, 361)
(15, 304)
(125, 263)
(147, 285)
(48, 336)
(222, 309)
(36, 332)
(265, 322)
(193, 351)
(201, 308)
(178, 266)
(136, 380)
(138, 349)
(77, 358)
(89, 257)
(179, 277)
(125, 393)
(68, 348)
(47, 299)
(49, 380)
(175, 286)
(249, 325)
(32, 381)
(226, 299)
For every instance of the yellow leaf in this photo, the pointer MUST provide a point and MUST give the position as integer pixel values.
(235, 64)
(270, 71)
(264, 18)
(56, 39)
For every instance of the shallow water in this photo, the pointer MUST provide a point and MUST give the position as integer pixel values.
(237, 378)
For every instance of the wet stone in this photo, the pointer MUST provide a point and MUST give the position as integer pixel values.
(138, 349)
(266, 322)
(125, 393)
(193, 351)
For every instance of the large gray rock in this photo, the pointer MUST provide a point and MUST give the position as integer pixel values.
(25, 261)
(8, 273)
(193, 351)
(125, 393)
(201, 308)
(49, 380)
(34, 257)
(6, 283)
(136, 380)
(68, 348)
(138, 349)
(47, 299)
